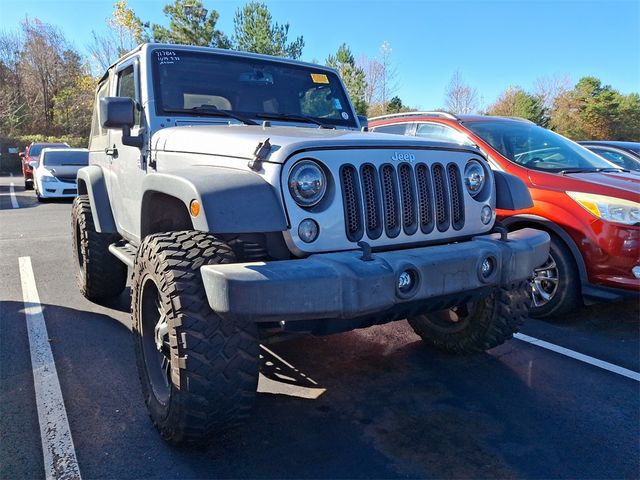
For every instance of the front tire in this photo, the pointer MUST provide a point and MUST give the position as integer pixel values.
(556, 284)
(28, 185)
(99, 275)
(199, 371)
(477, 326)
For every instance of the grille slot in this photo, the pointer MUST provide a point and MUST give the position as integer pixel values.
(371, 195)
(405, 197)
(351, 200)
(425, 198)
(408, 195)
(441, 194)
(457, 200)
(390, 199)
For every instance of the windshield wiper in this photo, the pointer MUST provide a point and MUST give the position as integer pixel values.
(294, 116)
(212, 111)
(590, 170)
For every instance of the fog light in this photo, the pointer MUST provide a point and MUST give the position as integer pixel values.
(636, 271)
(486, 214)
(487, 267)
(308, 230)
(405, 281)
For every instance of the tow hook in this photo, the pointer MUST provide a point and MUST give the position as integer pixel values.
(366, 252)
(502, 230)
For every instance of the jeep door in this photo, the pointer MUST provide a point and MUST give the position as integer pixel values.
(128, 167)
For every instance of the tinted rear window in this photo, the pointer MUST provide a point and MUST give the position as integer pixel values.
(37, 148)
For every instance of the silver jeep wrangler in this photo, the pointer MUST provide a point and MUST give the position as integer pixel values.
(247, 202)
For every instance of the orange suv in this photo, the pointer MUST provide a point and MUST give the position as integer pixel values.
(589, 206)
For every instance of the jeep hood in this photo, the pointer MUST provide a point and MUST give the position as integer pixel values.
(240, 141)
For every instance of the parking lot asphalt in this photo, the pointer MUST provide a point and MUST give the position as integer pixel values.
(372, 403)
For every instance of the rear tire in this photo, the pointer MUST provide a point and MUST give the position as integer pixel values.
(99, 275)
(477, 326)
(28, 185)
(199, 371)
(556, 284)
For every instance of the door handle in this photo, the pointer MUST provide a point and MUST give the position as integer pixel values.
(113, 152)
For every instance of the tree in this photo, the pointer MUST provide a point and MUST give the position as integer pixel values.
(373, 72)
(395, 105)
(352, 76)
(595, 111)
(388, 75)
(255, 31)
(129, 29)
(460, 97)
(13, 104)
(550, 88)
(125, 32)
(515, 102)
(74, 104)
(190, 24)
(46, 64)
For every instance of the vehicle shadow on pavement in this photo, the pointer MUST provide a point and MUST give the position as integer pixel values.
(391, 408)
(25, 198)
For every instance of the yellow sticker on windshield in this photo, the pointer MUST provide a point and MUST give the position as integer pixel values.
(319, 78)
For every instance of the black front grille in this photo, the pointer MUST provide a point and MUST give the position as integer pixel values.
(69, 191)
(403, 197)
(67, 179)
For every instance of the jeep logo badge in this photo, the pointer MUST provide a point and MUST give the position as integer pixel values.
(399, 157)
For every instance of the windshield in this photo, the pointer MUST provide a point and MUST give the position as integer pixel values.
(197, 83)
(61, 157)
(537, 148)
(35, 150)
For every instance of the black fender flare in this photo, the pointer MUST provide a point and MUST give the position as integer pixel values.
(232, 201)
(529, 220)
(91, 182)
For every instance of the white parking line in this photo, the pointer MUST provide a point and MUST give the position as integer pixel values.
(60, 460)
(14, 200)
(625, 372)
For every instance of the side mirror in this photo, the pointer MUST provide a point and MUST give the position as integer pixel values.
(119, 112)
(364, 123)
(22, 154)
(33, 164)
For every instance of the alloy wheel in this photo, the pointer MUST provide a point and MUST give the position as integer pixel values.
(545, 282)
(155, 341)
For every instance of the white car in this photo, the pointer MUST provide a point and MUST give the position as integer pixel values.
(54, 175)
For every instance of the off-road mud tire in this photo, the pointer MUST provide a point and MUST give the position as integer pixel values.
(99, 275)
(489, 323)
(214, 362)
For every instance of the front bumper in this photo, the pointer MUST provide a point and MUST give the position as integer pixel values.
(58, 190)
(342, 285)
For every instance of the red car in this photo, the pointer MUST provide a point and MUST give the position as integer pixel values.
(32, 154)
(589, 206)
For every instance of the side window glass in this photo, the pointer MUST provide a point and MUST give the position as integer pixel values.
(127, 88)
(611, 156)
(397, 128)
(98, 139)
(443, 133)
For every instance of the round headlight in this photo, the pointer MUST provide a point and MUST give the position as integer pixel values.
(474, 177)
(307, 183)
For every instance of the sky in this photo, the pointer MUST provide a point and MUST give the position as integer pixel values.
(492, 44)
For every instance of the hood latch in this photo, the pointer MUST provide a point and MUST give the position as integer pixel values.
(260, 154)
